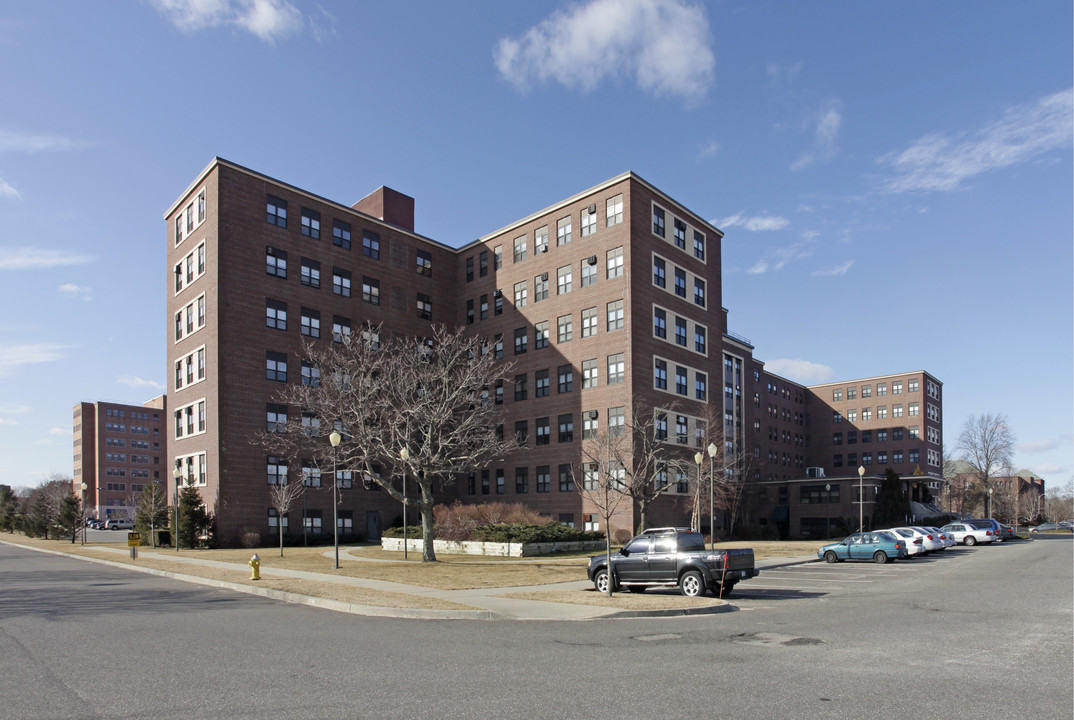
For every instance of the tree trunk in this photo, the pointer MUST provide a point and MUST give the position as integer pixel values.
(279, 521)
(428, 553)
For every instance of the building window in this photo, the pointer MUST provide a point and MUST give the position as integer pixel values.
(483, 263)
(616, 421)
(615, 315)
(424, 262)
(540, 335)
(699, 292)
(660, 374)
(521, 341)
(699, 339)
(660, 323)
(483, 307)
(370, 291)
(613, 211)
(699, 245)
(276, 314)
(659, 272)
(276, 418)
(544, 478)
(311, 273)
(680, 331)
(522, 432)
(566, 428)
(682, 430)
(658, 221)
(837, 395)
(700, 386)
(589, 271)
(563, 231)
(522, 480)
(896, 411)
(680, 282)
(615, 263)
(311, 223)
(881, 389)
(520, 248)
(469, 312)
(341, 328)
(541, 383)
(680, 380)
(311, 375)
(565, 325)
(520, 294)
(679, 229)
(311, 323)
(566, 378)
(616, 368)
(589, 322)
(424, 306)
(521, 384)
(276, 470)
(566, 481)
(590, 374)
(371, 244)
(544, 431)
(866, 391)
(341, 234)
(564, 280)
(276, 366)
(276, 262)
(275, 211)
(912, 409)
(540, 287)
(540, 240)
(588, 219)
(341, 282)
(469, 269)
(911, 386)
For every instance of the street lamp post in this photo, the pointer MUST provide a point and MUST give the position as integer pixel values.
(85, 487)
(712, 507)
(404, 454)
(990, 503)
(696, 519)
(178, 475)
(827, 510)
(334, 438)
(861, 498)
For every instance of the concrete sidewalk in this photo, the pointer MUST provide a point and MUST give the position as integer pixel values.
(490, 603)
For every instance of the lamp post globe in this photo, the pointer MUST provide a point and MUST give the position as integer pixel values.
(861, 498)
(712, 450)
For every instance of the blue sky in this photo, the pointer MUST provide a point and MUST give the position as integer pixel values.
(894, 179)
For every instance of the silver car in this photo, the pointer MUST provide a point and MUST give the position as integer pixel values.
(968, 534)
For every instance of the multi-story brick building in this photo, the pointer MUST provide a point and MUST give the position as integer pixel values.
(607, 300)
(119, 450)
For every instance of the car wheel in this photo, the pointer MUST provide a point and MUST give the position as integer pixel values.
(634, 588)
(691, 584)
(726, 589)
(880, 557)
(970, 540)
(601, 581)
(831, 557)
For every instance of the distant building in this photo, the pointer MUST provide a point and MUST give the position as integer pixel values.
(610, 298)
(1014, 498)
(119, 450)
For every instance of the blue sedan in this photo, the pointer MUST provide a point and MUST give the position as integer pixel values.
(880, 547)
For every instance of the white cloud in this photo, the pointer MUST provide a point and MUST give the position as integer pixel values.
(13, 357)
(27, 258)
(941, 162)
(77, 291)
(26, 143)
(802, 371)
(1044, 445)
(778, 258)
(6, 191)
(135, 382)
(826, 124)
(835, 271)
(268, 19)
(708, 150)
(5, 421)
(14, 409)
(664, 44)
(59, 431)
(757, 223)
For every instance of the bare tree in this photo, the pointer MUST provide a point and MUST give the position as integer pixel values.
(150, 511)
(987, 444)
(602, 481)
(284, 496)
(407, 408)
(648, 456)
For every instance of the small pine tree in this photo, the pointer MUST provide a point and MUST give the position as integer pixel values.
(151, 512)
(193, 518)
(892, 504)
(68, 518)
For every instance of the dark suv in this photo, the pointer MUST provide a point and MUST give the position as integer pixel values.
(672, 556)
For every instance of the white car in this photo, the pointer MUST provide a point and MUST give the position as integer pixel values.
(915, 543)
(932, 540)
(968, 534)
(118, 525)
(947, 538)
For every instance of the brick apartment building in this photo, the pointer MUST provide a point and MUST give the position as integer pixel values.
(118, 451)
(608, 299)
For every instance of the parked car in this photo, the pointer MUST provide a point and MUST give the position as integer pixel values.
(947, 539)
(122, 524)
(673, 556)
(988, 523)
(880, 547)
(915, 544)
(968, 534)
(932, 540)
(1048, 526)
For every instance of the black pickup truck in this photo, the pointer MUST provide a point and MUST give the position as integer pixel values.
(672, 556)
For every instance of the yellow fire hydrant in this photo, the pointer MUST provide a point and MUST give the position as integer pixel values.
(255, 567)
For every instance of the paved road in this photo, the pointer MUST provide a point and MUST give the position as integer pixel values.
(986, 632)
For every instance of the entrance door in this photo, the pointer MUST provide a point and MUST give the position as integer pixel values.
(372, 525)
